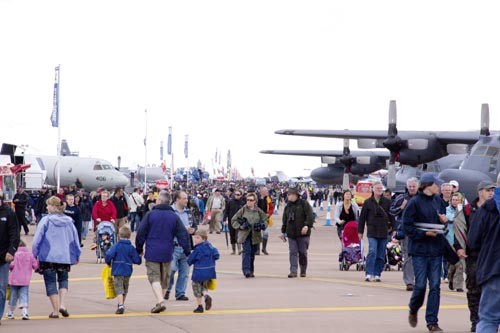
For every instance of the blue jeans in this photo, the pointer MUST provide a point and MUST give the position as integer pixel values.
(21, 293)
(51, 278)
(489, 316)
(134, 221)
(445, 268)
(427, 268)
(179, 264)
(376, 256)
(248, 255)
(4, 278)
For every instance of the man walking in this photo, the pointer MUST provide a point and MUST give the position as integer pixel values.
(21, 200)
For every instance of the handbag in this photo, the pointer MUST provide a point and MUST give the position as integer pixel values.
(107, 280)
(212, 284)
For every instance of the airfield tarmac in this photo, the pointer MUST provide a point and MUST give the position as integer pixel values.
(327, 300)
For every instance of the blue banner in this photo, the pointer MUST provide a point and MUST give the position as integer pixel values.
(54, 117)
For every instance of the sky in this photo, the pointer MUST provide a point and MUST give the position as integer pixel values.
(230, 73)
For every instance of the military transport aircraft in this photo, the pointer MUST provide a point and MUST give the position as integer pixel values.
(406, 147)
(93, 173)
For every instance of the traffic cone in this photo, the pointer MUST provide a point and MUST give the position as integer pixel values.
(321, 206)
(328, 222)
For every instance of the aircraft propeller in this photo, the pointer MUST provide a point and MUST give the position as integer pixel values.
(485, 120)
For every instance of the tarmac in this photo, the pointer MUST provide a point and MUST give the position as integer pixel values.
(327, 300)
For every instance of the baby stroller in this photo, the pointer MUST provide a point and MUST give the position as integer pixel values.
(104, 240)
(352, 248)
(393, 256)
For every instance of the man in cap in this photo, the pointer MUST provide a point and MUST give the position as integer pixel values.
(426, 248)
(484, 239)
(462, 224)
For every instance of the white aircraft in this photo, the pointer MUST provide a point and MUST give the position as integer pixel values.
(93, 173)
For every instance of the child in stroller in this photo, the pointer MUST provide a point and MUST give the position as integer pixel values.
(104, 240)
(393, 256)
(352, 251)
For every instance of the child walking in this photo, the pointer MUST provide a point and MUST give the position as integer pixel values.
(21, 270)
(203, 260)
(121, 257)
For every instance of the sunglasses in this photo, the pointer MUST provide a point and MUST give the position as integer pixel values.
(237, 195)
(250, 199)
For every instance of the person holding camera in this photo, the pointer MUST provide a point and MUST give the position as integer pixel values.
(250, 220)
(297, 224)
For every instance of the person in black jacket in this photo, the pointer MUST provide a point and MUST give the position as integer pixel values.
(297, 225)
(21, 200)
(375, 213)
(426, 247)
(234, 205)
(9, 241)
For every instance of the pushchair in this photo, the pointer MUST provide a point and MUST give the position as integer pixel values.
(105, 238)
(352, 248)
(393, 257)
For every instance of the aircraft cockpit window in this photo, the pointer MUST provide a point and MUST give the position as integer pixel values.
(479, 150)
(98, 166)
(492, 152)
(107, 167)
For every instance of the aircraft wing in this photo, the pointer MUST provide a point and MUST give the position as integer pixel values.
(444, 137)
(335, 153)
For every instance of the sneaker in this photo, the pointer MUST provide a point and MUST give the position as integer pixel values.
(265, 252)
(377, 278)
(302, 274)
(159, 307)
(248, 275)
(199, 309)
(459, 290)
(368, 278)
(413, 319)
(409, 287)
(292, 275)
(64, 312)
(167, 295)
(434, 328)
(182, 298)
(120, 310)
(10, 315)
(26, 316)
(208, 302)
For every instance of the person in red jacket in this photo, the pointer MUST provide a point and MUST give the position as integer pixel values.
(104, 210)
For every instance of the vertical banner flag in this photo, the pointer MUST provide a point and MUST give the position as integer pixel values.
(161, 151)
(169, 143)
(54, 117)
(186, 147)
(215, 155)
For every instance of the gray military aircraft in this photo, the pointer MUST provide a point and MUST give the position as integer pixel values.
(406, 147)
(93, 173)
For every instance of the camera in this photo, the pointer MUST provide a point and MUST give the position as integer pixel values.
(259, 226)
(244, 225)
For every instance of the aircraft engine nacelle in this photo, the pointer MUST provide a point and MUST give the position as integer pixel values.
(329, 175)
(415, 156)
(365, 165)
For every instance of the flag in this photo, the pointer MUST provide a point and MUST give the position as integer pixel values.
(186, 147)
(169, 143)
(215, 155)
(54, 117)
(161, 150)
(228, 159)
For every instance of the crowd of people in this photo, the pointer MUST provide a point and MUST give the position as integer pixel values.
(441, 236)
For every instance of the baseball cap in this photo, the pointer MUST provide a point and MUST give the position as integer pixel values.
(454, 183)
(428, 178)
(485, 185)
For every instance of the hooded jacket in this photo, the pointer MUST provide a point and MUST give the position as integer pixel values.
(203, 258)
(484, 236)
(56, 240)
(21, 269)
(9, 232)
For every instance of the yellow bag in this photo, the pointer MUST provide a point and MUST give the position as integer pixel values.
(107, 280)
(212, 284)
(7, 294)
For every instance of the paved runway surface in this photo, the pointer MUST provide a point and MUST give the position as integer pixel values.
(327, 300)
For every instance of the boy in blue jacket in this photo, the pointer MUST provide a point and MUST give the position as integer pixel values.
(121, 257)
(203, 260)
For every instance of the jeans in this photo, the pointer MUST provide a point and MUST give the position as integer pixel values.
(297, 248)
(489, 316)
(376, 256)
(21, 293)
(135, 220)
(179, 264)
(4, 278)
(51, 277)
(445, 268)
(427, 268)
(248, 255)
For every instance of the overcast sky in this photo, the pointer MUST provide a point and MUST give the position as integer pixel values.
(230, 73)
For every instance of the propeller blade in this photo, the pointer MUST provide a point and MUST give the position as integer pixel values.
(485, 119)
(391, 176)
(418, 144)
(393, 131)
(345, 181)
(347, 152)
